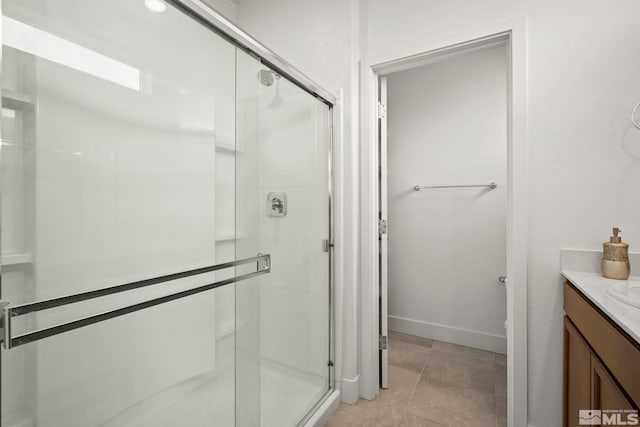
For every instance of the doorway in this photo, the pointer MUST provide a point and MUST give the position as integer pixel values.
(510, 34)
(443, 194)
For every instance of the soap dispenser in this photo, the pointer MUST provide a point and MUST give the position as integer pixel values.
(615, 258)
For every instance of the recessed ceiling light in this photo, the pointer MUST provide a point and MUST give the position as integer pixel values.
(155, 5)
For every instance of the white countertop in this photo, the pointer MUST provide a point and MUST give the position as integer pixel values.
(594, 287)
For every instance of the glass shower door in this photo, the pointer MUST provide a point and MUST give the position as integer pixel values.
(283, 209)
(153, 173)
(118, 160)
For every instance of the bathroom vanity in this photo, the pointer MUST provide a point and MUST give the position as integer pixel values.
(601, 344)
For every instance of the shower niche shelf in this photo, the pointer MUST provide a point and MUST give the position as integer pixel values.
(16, 100)
(16, 258)
(228, 149)
(227, 237)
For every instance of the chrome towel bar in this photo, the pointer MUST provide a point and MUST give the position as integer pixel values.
(491, 185)
(263, 266)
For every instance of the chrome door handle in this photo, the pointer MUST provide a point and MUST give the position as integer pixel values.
(9, 312)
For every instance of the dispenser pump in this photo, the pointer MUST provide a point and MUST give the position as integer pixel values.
(615, 257)
(615, 238)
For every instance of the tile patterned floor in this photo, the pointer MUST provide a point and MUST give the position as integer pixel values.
(434, 384)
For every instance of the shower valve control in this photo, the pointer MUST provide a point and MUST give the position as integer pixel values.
(277, 204)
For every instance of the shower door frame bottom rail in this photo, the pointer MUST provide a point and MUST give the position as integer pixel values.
(263, 266)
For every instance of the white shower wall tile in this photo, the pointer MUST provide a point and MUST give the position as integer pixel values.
(294, 329)
(294, 297)
(293, 141)
(225, 208)
(295, 241)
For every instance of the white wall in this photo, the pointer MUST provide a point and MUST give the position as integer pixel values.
(228, 8)
(584, 154)
(447, 125)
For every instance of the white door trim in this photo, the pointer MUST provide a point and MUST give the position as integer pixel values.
(384, 243)
(513, 32)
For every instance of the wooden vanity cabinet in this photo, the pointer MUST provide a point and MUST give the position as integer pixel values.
(577, 377)
(601, 362)
(605, 393)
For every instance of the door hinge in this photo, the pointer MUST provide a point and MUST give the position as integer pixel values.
(326, 245)
(382, 226)
(382, 110)
(382, 344)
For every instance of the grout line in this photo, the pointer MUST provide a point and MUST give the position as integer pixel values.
(424, 367)
(495, 402)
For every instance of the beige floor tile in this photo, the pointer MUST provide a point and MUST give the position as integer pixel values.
(344, 417)
(411, 420)
(407, 356)
(501, 405)
(433, 384)
(462, 352)
(411, 339)
(386, 409)
(403, 380)
(500, 384)
(453, 405)
(449, 366)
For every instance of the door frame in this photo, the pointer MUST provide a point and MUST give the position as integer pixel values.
(382, 233)
(513, 32)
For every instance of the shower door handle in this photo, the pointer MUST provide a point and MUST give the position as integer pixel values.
(9, 312)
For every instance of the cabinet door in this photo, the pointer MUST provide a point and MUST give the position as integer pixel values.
(605, 393)
(577, 374)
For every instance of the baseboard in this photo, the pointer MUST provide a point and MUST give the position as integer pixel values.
(450, 334)
(350, 390)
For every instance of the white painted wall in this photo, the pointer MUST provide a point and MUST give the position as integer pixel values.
(447, 125)
(228, 8)
(584, 154)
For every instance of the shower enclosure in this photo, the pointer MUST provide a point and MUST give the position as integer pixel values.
(166, 221)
